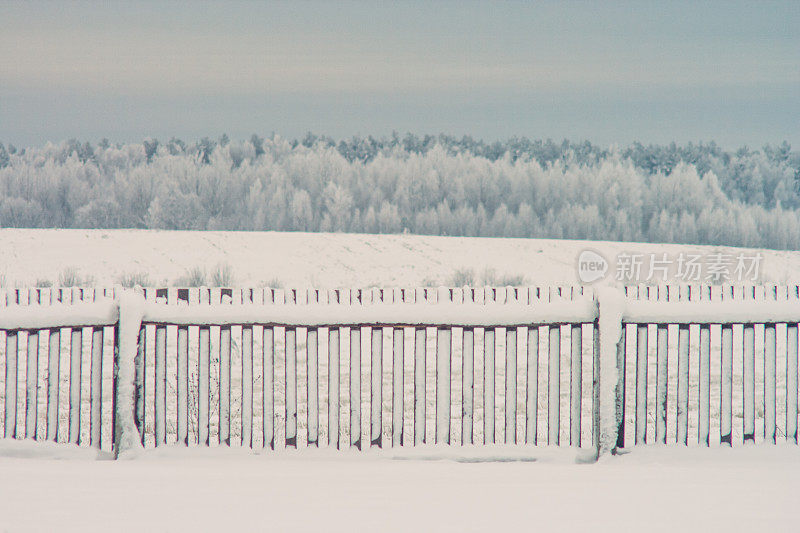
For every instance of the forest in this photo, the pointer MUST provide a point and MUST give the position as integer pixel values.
(432, 185)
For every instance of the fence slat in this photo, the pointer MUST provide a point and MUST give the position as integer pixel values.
(596, 387)
(268, 419)
(333, 388)
(791, 383)
(641, 383)
(704, 411)
(532, 390)
(161, 386)
(301, 378)
(312, 371)
(10, 424)
(247, 387)
(182, 408)
(682, 434)
(468, 385)
(86, 375)
(456, 415)
(139, 381)
(257, 393)
(522, 385)
(76, 348)
(235, 384)
(96, 391)
(316, 367)
(620, 390)
(662, 382)
(22, 350)
(32, 385)
(576, 360)
(398, 366)
(225, 385)
(365, 297)
(554, 386)
(726, 387)
(53, 377)
(204, 386)
(510, 403)
(147, 360)
(290, 345)
(355, 387)
(108, 385)
(488, 386)
(420, 362)
(431, 362)
(749, 384)
(770, 378)
(376, 386)
(443, 354)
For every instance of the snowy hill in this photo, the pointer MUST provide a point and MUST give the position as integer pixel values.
(329, 260)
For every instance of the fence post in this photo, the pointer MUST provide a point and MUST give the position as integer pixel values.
(131, 311)
(610, 308)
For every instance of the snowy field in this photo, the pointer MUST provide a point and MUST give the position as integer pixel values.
(655, 489)
(43, 487)
(319, 259)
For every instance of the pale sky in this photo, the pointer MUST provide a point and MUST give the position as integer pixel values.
(608, 72)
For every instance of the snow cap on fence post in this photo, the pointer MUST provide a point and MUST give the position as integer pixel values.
(611, 307)
(131, 311)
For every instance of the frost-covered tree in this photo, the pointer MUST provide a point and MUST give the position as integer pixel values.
(5, 159)
(443, 185)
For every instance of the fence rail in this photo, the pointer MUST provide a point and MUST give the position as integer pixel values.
(268, 368)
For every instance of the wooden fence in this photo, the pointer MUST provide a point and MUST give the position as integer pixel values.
(714, 365)
(397, 367)
(57, 370)
(377, 367)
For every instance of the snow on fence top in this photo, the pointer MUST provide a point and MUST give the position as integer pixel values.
(582, 309)
(59, 315)
(704, 312)
(400, 314)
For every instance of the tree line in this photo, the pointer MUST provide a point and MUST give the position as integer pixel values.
(433, 185)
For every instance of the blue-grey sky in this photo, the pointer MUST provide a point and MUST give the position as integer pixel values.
(610, 72)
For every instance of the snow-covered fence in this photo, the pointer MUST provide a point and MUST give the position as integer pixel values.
(377, 367)
(57, 367)
(390, 367)
(708, 365)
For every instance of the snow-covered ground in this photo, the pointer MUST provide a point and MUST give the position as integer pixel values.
(57, 487)
(657, 489)
(322, 260)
